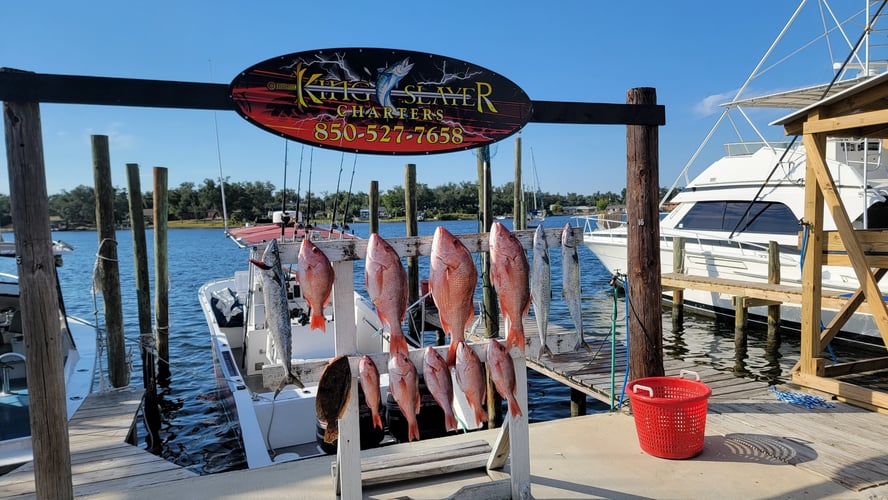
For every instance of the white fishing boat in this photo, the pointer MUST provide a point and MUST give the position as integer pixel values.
(754, 194)
(249, 367)
(78, 339)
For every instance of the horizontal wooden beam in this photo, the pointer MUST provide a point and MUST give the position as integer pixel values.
(759, 291)
(26, 86)
(844, 390)
(864, 365)
(846, 123)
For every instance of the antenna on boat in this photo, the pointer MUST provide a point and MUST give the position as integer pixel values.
(219, 158)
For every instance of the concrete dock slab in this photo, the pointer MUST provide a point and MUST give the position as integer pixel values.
(595, 456)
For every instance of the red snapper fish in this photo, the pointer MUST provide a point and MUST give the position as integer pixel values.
(386, 282)
(369, 379)
(509, 272)
(404, 386)
(436, 374)
(470, 378)
(452, 280)
(502, 371)
(316, 281)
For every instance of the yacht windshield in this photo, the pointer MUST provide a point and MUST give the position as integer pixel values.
(762, 217)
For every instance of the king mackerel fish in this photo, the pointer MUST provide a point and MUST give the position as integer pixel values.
(277, 310)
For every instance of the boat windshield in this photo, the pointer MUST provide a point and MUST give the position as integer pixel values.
(761, 217)
(748, 148)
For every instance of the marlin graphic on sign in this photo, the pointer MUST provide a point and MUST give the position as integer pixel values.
(388, 79)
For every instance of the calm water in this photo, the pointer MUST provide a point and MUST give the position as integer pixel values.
(195, 431)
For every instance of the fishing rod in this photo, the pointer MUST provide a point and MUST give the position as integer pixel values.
(299, 186)
(336, 196)
(284, 217)
(308, 193)
(348, 198)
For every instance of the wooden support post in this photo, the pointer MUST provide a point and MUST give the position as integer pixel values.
(488, 293)
(741, 318)
(161, 274)
(143, 300)
(107, 254)
(774, 310)
(374, 206)
(577, 403)
(643, 234)
(678, 267)
(39, 300)
(412, 230)
(349, 443)
(519, 219)
(812, 272)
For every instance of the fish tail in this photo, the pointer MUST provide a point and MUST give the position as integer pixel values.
(515, 336)
(480, 414)
(412, 430)
(377, 420)
(544, 350)
(451, 355)
(449, 421)
(331, 434)
(398, 343)
(514, 407)
(318, 322)
(289, 379)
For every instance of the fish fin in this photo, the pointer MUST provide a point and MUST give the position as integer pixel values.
(398, 343)
(450, 421)
(318, 322)
(543, 351)
(514, 407)
(377, 420)
(331, 434)
(451, 355)
(260, 264)
(480, 415)
(412, 430)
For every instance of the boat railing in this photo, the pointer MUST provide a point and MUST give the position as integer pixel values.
(747, 148)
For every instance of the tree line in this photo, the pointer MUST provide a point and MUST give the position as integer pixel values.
(253, 201)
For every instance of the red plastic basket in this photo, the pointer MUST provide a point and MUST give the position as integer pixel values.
(670, 414)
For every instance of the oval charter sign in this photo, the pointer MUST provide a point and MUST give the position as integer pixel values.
(381, 101)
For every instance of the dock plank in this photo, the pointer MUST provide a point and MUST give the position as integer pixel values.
(101, 459)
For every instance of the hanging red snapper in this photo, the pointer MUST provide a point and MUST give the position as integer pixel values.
(316, 280)
(502, 371)
(452, 280)
(470, 378)
(404, 386)
(369, 379)
(436, 374)
(509, 272)
(386, 282)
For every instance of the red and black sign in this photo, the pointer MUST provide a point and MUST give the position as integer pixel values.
(381, 101)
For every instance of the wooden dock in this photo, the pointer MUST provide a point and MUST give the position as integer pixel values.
(101, 458)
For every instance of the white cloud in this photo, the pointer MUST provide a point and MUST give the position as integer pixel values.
(712, 104)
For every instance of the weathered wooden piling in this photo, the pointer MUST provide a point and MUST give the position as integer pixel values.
(374, 206)
(107, 255)
(143, 300)
(774, 309)
(161, 274)
(643, 234)
(488, 293)
(39, 300)
(678, 267)
(519, 221)
(410, 213)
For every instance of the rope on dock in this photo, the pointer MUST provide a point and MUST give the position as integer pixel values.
(809, 401)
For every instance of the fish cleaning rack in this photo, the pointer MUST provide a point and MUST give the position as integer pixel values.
(513, 442)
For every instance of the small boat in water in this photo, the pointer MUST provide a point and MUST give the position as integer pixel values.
(78, 339)
(249, 366)
(755, 194)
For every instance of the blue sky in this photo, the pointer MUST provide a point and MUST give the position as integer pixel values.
(694, 52)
